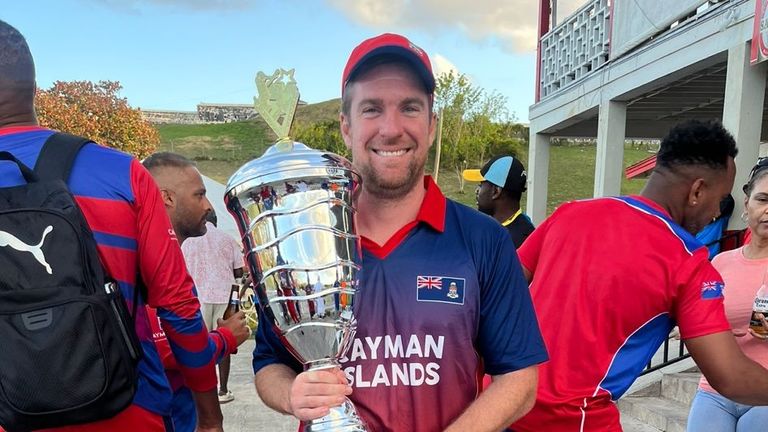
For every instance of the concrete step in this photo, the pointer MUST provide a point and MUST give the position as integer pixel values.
(660, 401)
(680, 387)
(663, 414)
(644, 381)
(631, 424)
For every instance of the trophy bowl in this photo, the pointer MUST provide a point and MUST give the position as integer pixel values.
(294, 209)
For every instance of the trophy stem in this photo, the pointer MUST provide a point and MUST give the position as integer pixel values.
(342, 418)
(326, 363)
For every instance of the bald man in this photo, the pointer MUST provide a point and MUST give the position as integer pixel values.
(183, 193)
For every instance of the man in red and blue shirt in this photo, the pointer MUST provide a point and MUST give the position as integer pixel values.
(122, 206)
(442, 297)
(612, 276)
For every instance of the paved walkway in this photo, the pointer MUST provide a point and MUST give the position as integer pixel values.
(247, 413)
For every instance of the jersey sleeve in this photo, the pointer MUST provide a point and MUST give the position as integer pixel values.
(269, 350)
(170, 289)
(161, 342)
(509, 338)
(699, 309)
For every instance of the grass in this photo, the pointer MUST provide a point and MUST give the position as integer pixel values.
(223, 142)
(572, 173)
(571, 176)
(220, 149)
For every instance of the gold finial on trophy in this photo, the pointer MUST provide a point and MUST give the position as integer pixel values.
(276, 103)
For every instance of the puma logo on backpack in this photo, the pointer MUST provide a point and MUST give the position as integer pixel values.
(71, 351)
(8, 239)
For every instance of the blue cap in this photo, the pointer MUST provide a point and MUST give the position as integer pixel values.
(505, 172)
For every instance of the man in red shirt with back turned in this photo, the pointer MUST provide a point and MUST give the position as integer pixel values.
(612, 276)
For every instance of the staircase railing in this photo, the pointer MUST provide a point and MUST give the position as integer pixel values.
(671, 352)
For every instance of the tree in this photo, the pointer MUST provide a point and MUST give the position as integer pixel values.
(323, 135)
(473, 120)
(97, 112)
(510, 138)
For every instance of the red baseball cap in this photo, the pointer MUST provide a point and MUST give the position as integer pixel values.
(390, 44)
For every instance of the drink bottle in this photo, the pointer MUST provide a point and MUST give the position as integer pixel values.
(760, 307)
(234, 304)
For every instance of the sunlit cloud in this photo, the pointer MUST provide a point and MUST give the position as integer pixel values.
(441, 65)
(189, 5)
(513, 23)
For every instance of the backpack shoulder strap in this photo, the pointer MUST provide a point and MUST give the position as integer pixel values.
(57, 156)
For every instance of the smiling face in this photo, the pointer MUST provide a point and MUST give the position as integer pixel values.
(756, 206)
(389, 129)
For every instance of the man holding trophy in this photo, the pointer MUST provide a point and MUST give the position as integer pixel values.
(441, 296)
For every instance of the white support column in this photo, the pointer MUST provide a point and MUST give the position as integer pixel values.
(742, 116)
(609, 163)
(538, 176)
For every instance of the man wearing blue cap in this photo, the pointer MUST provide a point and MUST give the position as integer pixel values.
(502, 183)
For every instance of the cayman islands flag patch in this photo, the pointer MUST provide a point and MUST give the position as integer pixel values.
(711, 290)
(441, 289)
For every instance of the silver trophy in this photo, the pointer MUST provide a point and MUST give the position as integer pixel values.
(293, 206)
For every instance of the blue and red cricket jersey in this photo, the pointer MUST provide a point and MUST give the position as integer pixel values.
(611, 277)
(438, 304)
(122, 206)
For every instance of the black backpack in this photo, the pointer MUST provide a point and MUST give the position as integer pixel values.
(69, 349)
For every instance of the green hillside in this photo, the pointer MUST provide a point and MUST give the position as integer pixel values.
(313, 113)
(220, 149)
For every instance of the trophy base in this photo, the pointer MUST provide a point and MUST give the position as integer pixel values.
(342, 418)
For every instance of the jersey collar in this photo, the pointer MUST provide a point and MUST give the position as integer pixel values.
(512, 218)
(18, 129)
(652, 204)
(431, 212)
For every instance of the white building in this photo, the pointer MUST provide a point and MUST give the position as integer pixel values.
(634, 68)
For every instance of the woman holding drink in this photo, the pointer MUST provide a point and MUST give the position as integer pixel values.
(745, 272)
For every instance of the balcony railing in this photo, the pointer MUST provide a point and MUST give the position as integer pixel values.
(577, 46)
(603, 30)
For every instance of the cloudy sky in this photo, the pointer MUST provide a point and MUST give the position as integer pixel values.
(173, 54)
